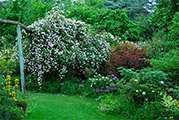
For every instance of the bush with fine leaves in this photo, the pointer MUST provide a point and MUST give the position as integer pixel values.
(166, 14)
(174, 27)
(135, 8)
(115, 22)
(24, 11)
(59, 45)
(169, 63)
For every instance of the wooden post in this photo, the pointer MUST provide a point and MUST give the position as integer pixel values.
(21, 59)
(20, 47)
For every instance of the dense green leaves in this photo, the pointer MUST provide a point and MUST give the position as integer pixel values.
(163, 16)
(169, 64)
(95, 3)
(114, 21)
(134, 7)
(22, 11)
(174, 27)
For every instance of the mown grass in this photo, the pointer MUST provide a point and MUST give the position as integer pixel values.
(44, 106)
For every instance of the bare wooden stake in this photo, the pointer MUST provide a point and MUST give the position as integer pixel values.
(21, 59)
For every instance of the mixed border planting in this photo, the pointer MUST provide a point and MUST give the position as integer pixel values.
(90, 50)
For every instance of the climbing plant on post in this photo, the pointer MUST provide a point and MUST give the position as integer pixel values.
(20, 48)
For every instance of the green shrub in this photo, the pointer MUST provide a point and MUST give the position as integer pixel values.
(95, 3)
(144, 85)
(68, 87)
(23, 11)
(51, 83)
(50, 86)
(115, 22)
(122, 104)
(31, 84)
(8, 111)
(146, 27)
(86, 91)
(160, 45)
(134, 7)
(11, 109)
(169, 63)
(90, 87)
(158, 110)
(164, 14)
(174, 27)
(75, 86)
(173, 91)
(142, 96)
(8, 59)
(150, 111)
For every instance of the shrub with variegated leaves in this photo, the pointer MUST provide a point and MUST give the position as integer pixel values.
(58, 45)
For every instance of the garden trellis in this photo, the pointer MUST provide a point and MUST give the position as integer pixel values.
(20, 47)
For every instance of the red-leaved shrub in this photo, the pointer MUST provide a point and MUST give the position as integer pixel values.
(127, 55)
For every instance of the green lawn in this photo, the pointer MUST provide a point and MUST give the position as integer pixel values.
(45, 106)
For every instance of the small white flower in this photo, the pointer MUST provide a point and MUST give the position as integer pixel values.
(136, 80)
(137, 90)
(143, 93)
(153, 91)
(162, 82)
(146, 99)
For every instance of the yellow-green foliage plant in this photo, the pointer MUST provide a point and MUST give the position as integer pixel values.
(171, 106)
(8, 58)
(9, 110)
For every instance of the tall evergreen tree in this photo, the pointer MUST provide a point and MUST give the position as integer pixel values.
(134, 7)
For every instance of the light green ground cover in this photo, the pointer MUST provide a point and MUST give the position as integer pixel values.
(44, 106)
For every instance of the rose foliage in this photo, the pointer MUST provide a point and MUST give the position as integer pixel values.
(59, 45)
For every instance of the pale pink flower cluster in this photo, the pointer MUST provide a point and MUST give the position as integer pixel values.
(58, 43)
